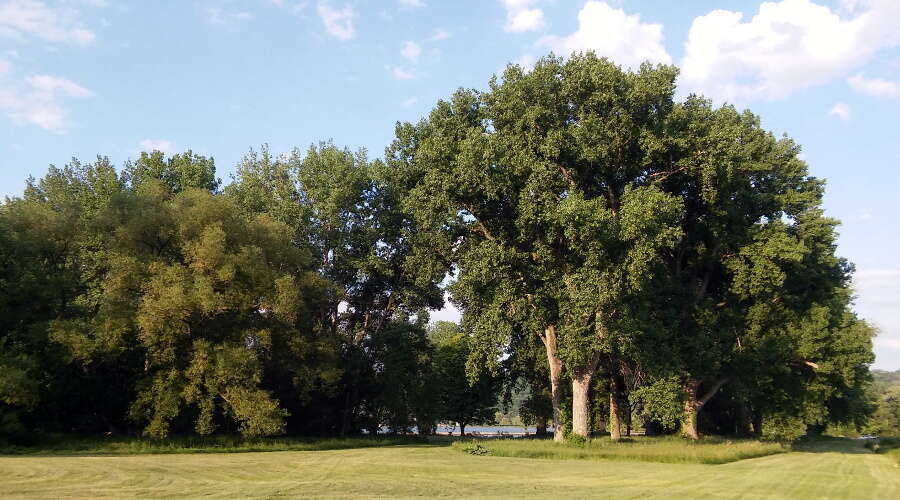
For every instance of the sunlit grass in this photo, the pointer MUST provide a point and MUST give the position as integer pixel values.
(668, 449)
(92, 445)
(839, 470)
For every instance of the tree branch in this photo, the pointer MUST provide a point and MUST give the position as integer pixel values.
(712, 391)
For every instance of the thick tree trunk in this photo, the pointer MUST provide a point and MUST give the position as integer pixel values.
(347, 414)
(549, 339)
(756, 422)
(615, 424)
(541, 424)
(691, 408)
(581, 384)
(743, 423)
(615, 412)
(462, 429)
(693, 403)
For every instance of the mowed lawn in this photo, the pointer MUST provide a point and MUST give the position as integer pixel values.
(837, 470)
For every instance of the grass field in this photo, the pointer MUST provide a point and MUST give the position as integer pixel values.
(91, 445)
(672, 449)
(828, 469)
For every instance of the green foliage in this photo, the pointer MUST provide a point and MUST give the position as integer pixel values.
(463, 399)
(476, 449)
(205, 298)
(177, 173)
(784, 428)
(885, 392)
(573, 439)
(660, 401)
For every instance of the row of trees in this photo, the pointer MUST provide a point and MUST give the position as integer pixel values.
(152, 300)
(616, 253)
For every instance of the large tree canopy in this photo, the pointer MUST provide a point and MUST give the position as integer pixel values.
(580, 202)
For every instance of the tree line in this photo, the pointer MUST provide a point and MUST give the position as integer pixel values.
(617, 254)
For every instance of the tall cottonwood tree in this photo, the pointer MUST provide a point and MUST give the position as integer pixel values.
(539, 193)
(755, 258)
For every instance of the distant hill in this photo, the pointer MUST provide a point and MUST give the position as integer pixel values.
(886, 377)
(886, 389)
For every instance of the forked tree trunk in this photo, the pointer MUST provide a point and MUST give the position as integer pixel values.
(693, 403)
(549, 339)
(581, 384)
(691, 408)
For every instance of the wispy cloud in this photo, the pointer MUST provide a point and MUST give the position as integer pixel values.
(841, 110)
(402, 73)
(338, 22)
(36, 100)
(24, 19)
(876, 87)
(411, 51)
(223, 17)
(440, 34)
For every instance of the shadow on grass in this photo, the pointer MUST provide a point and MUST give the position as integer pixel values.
(827, 444)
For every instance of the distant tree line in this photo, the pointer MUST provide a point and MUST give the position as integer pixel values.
(621, 259)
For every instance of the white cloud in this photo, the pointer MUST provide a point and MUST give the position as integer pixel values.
(52, 84)
(162, 145)
(612, 33)
(410, 102)
(21, 19)
(875, 86)
(35, 100)
(338, 23)
(411, 51)
(521, 16)
(411, 3)
(440, 34)
(841, 110)
(218, 16)
(402, 73)
(786, 46)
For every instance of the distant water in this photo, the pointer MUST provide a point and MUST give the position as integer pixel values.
(488, 429)
(479, 429)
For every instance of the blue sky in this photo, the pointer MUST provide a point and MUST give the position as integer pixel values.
(86, 77)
